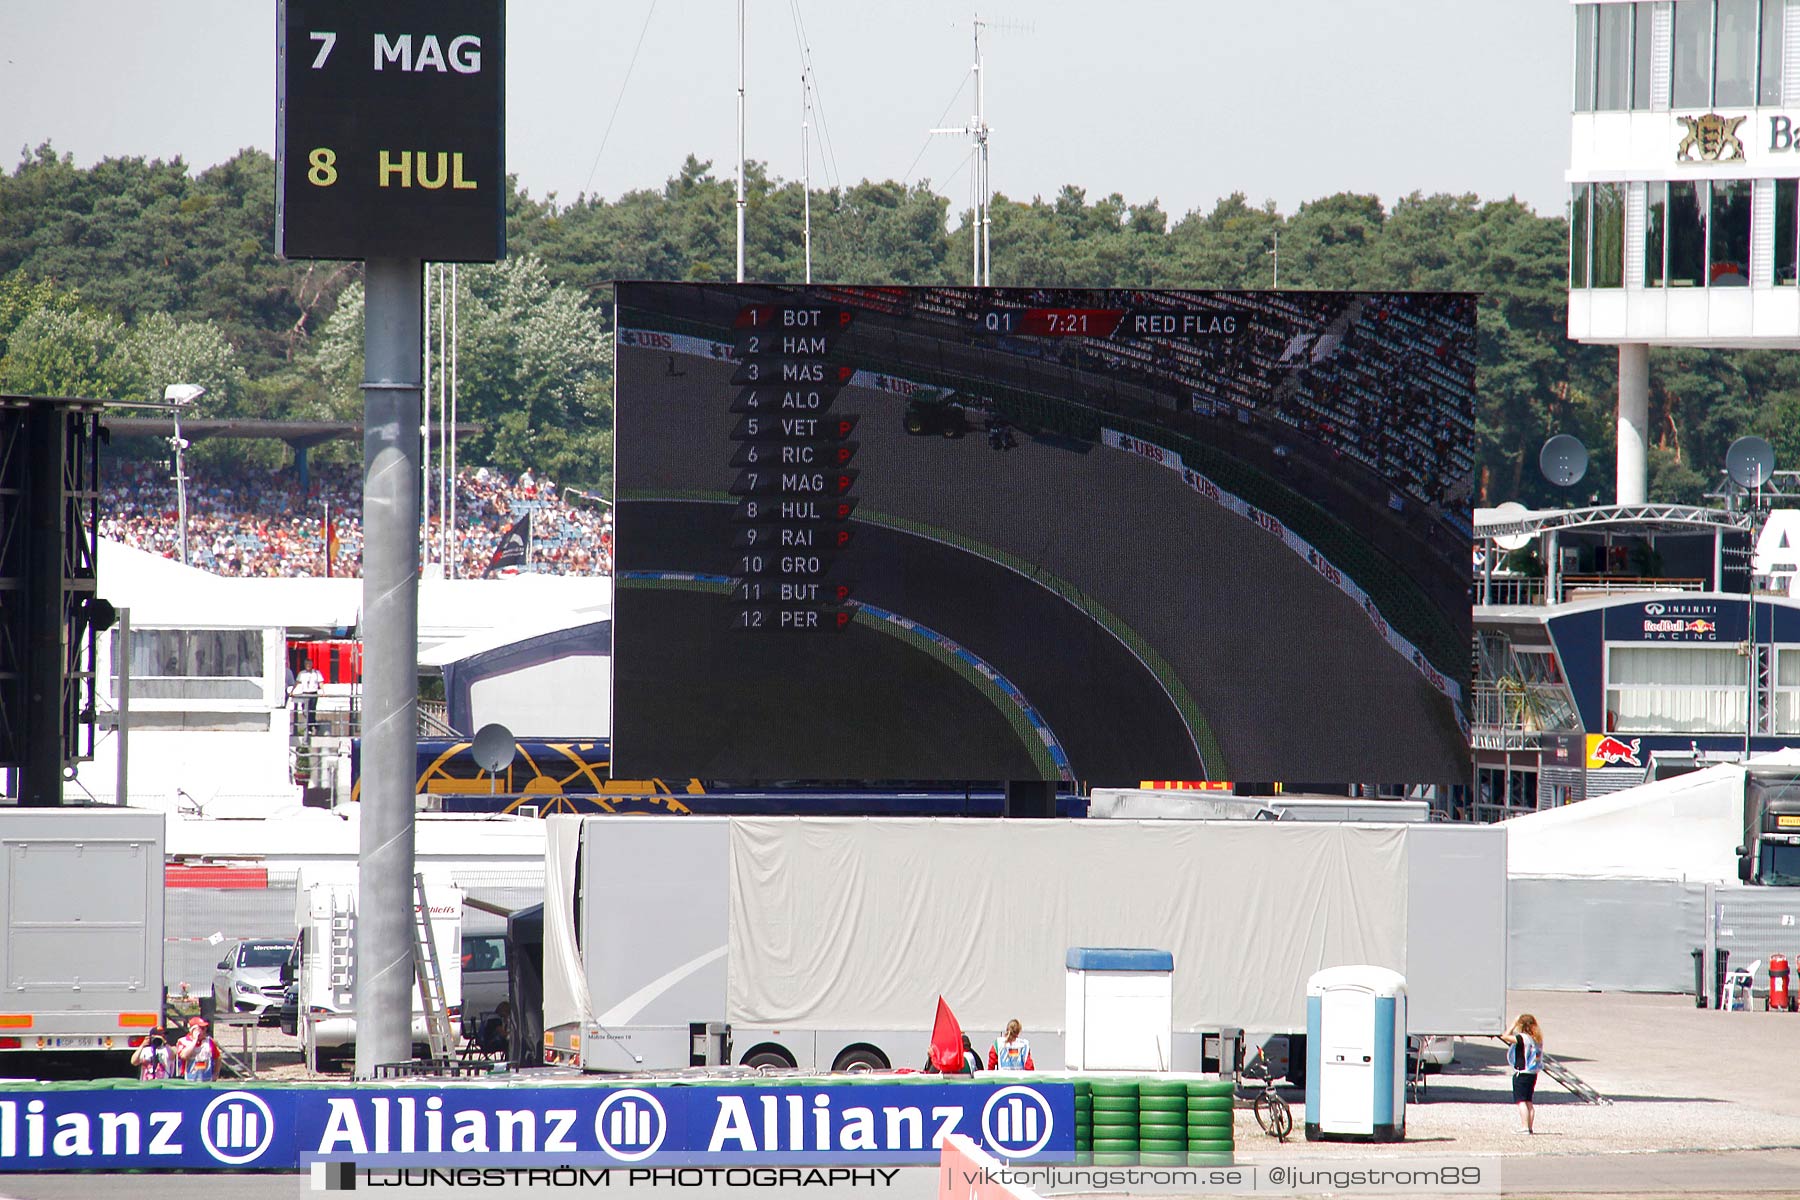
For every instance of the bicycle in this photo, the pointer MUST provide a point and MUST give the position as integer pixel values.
(1272, 1112)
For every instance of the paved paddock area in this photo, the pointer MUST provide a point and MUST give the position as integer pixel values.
(1704, 1104)
(1680, 1078)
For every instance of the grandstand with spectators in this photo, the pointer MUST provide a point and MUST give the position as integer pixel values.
(251, 521)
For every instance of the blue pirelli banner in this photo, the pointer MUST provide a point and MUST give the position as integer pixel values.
(250, 1128)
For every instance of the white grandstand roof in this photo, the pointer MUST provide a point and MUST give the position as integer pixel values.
(160, 591)
(1688, 827)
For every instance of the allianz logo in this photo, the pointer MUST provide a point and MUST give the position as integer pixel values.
(1016, 1121)
(235, 1128)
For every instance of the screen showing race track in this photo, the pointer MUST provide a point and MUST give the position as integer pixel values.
(884, 533)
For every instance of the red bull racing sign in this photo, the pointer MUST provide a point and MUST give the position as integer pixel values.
(1675, 621)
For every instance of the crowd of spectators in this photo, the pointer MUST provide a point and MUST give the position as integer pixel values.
(254, 521)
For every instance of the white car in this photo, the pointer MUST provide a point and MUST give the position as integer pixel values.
(1436, 1052)
(248, 979)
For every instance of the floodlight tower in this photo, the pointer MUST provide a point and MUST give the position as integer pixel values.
(179, 396)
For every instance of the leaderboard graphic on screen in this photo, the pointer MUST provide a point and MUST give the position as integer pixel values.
(996, 534)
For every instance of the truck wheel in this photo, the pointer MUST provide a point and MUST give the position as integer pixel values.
(861, 1058)
(769, 1056)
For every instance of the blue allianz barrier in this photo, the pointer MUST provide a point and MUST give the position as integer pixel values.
(275, 1128)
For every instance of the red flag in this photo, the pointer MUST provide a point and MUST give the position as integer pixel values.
(946, 1042)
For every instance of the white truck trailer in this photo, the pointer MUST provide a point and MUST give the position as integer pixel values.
(81, 900)
(327, 915)
(822, 943)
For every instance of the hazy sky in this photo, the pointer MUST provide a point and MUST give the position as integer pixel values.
(1181, 101)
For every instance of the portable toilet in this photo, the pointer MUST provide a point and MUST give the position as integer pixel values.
(1120, 1009)
(1356, 1055)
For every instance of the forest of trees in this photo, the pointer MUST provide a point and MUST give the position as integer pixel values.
(118, 279)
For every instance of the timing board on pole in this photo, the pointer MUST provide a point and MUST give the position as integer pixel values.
(390, 130)
(389, 148)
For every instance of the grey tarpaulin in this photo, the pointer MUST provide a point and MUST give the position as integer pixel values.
(862, 924)
(1628, 935)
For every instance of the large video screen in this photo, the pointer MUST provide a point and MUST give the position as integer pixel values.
(884, 533)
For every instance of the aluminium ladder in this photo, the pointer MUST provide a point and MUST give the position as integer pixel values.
(430, 976)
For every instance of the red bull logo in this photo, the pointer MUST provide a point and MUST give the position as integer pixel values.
(1609, 751)
(1698, 626)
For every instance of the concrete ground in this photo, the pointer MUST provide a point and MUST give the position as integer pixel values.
(1679, 1078)
(1704, 1103)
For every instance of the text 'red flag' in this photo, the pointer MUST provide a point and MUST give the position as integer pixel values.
(946, 1042)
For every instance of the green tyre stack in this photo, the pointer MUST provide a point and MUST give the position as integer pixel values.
(1084, 1123)
(1209, 1121)
(1162, 1122)
(1115, 1122)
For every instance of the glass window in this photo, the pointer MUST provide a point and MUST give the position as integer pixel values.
(1578, 237)
(193, 653)
(1687, 235)
(1615, 57)
(1642, 56)
(1787, 197)
(1730, 234)
(1693, 53)
(1656, 205)
(1734, 74)
(1675, 689)
(1769, 91)
(1787, 691)
(1609, 235)
(1586, 18)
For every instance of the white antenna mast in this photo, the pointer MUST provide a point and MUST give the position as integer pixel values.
(740, 173)
(806, 159)
(981, 141)
(977, 129)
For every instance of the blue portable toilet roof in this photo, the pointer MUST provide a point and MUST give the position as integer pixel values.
(1103, 958)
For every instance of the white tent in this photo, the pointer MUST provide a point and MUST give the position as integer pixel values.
(162, 592)
(1686, 828)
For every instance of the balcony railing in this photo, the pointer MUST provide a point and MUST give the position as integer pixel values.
(1522, 589)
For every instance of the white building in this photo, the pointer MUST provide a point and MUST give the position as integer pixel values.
(1685, 169)
(211, 729)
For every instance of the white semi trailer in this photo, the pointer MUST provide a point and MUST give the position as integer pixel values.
(823, 943)
(81, 904)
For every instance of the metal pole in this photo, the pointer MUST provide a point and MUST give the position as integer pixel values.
(740, 174)
(122, 697)
(806, 164)
(975, 171)
(987, 255)
(443, 457)
(425, 437)
(392, 397)
(181, 487)
(1750, 659)
(454, 556)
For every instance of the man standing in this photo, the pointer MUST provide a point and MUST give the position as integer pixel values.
(306, 691)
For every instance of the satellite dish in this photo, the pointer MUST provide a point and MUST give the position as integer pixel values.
(1750, 462)
(1512, 510)
(494, 748)
(1563, 460)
